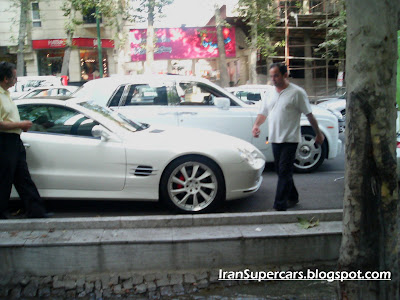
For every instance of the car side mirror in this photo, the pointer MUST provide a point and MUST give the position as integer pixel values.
(101, 132)
(222, 103)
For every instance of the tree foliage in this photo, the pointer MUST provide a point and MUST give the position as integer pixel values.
(142, 8)
(260, 14)
(335, 40)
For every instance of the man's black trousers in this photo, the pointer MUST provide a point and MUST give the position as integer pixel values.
(284, 155)
(14, 170)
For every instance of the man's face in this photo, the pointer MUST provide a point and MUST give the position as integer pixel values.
(276, 77)
(11, 81)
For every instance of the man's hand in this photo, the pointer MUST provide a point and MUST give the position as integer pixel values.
(256, 131)
(25, 125)
(319, 139)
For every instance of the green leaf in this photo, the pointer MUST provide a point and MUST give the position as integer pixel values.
(306, 224)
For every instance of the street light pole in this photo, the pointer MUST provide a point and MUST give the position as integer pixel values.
(99, 49)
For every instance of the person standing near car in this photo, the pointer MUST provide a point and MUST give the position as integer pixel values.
(283, 107)
(13, 166)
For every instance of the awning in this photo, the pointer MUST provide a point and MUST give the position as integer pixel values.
(77, 42)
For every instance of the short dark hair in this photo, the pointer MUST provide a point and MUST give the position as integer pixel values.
(281, 67)
(6, 70)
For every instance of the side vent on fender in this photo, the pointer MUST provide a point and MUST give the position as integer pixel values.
(142, 171)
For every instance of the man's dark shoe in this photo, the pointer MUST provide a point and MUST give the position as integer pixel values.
(279, 208)
(3, 216)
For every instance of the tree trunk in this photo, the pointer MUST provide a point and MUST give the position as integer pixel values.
(150, 38)
(223, 67)
(370, 220)
(23, 20)
(67, 56)
(68, 48)
(253, 49)
(253, 55)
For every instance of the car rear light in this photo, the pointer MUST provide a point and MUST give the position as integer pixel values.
(398, 144)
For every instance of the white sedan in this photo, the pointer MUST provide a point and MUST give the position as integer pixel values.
(188, 101)
(62, 90)
(84, 151)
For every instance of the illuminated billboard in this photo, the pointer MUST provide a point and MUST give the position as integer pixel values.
(182, 43)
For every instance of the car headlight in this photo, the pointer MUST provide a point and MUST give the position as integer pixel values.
(336, 113)
(248, 155)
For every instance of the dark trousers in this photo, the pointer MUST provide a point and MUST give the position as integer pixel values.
(284, 155)
(14, 170)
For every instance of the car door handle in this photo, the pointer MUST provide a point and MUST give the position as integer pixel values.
(167, 113)
(26, 145)
(188, 113)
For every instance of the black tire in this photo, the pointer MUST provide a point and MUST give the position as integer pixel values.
(188, 192)
(309, 156)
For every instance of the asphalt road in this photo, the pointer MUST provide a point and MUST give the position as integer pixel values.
(323, 189)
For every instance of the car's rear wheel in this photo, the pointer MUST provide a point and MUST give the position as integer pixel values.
(192, 184)
(309, 155)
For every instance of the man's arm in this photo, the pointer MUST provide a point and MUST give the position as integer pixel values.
(7, 125)
(319, 138)
(256, 127)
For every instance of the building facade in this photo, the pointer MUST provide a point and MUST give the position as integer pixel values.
(183, 50)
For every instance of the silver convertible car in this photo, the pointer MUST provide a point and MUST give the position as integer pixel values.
(80, 150)
(188, 101)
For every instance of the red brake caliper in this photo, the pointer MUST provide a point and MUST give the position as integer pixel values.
(179, 186)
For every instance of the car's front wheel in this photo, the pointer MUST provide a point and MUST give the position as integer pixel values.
(192, 184)
(309, 155)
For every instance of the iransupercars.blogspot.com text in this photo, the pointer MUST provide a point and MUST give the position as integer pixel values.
(308, 274)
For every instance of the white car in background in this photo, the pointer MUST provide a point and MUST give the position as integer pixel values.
(26, 83)
(188, 101)
(44, 91)
(250, 93)
(337, 105)
(85, 151)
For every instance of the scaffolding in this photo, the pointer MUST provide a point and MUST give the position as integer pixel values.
(297, 20)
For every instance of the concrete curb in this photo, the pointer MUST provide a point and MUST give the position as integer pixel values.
(223, 219)
(164, 243)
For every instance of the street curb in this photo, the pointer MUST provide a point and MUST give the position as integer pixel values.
(224, 219)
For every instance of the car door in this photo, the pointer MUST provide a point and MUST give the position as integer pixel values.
(153, 104)
(198, 111)
(62, 153)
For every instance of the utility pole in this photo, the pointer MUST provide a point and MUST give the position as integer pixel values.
(99, 49)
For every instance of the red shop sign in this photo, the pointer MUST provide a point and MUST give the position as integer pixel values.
(77, 42)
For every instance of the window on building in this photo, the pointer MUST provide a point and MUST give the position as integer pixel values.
(89, 16)
(36, 15)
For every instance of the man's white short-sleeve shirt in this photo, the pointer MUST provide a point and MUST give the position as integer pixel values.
(283, 111)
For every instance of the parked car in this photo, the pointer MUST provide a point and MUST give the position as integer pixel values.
(337, 104)
(251, 92)
(26, 83)
(63, 90)
(188, 101)
(85, 151)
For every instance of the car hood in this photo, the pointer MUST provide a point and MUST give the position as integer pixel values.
(337, 104)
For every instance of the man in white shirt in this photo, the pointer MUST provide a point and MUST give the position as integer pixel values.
(283, 107)
(13, 166)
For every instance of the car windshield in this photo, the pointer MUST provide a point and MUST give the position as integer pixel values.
(115, 117)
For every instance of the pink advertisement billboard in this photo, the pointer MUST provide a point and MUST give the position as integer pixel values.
(182, 43)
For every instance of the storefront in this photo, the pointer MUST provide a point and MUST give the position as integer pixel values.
(50, 54)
